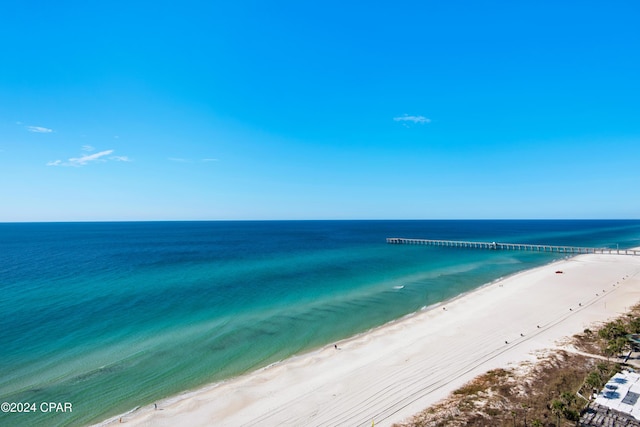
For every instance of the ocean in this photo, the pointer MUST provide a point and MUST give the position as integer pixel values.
(105, 317)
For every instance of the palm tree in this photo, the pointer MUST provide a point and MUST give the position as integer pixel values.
(557, 408)
(594, 380)
(568, 398)
(602, 367)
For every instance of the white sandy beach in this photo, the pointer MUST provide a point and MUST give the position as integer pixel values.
(393, 372)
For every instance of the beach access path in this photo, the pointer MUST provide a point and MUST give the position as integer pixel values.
(395, 371)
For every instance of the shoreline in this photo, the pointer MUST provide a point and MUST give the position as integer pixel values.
(394, 371)
(203, 389)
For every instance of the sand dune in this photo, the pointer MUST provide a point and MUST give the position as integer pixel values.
(397, 370)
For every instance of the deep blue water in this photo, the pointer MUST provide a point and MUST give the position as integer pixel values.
(109, 316)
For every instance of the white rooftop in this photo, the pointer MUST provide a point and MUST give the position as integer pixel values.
(622, 393)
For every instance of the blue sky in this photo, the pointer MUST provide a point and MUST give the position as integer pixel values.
(319, 110)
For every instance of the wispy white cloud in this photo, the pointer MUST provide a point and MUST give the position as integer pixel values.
(412, 119)
(85, 159)
(39, 129)
(178, 159)
(120, 158)
(88, 158)
(87, 148)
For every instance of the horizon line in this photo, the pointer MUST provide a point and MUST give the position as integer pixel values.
(310, 220)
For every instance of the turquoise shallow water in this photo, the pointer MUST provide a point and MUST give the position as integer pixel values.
(109, 316)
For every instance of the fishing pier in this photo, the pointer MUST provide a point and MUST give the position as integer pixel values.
(512, 246)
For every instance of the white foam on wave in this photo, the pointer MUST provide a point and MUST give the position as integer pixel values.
(398, 287)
